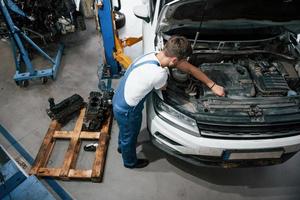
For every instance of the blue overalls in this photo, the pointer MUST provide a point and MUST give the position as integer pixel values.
(129, 118)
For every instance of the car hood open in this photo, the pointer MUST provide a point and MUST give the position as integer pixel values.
(230, 14)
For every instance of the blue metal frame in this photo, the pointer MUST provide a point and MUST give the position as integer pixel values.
(15, 182)
(51, 182)
(111, 68)
(12, 176)
(20, 52)
(107, 30)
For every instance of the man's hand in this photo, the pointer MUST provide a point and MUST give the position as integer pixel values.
(218, 90)
(186, 67)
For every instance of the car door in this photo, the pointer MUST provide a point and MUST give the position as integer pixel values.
(150, 27)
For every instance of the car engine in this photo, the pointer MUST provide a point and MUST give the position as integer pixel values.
(50, 19)
(243, 77)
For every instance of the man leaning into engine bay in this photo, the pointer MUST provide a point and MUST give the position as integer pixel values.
(146, 73)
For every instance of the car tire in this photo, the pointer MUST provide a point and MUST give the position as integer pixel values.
(120, 19)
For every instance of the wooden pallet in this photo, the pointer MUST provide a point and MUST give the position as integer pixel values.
(68, 170)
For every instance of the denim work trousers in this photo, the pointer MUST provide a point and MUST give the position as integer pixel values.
(129, 125)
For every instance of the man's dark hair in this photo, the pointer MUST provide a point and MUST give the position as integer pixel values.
(178, 46)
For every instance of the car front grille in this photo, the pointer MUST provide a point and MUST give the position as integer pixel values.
(249, 132)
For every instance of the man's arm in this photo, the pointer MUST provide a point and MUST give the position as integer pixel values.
(186, 67)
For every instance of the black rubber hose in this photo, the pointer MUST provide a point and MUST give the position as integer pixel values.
(117, 8)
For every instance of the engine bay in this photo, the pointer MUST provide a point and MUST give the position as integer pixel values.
(242, 77)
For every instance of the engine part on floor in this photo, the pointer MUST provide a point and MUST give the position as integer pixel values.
(68, 170)
(93, 106)
(20, 53)
(66, 109)
(97, 110)
(66, 25)
(268, 80)
(90, 147)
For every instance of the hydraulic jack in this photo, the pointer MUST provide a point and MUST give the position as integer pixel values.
(115, 57)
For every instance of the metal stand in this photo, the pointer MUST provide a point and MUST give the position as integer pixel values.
(21, 54)
(115, 57)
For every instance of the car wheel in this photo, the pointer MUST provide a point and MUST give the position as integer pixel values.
(119, 19)
(23, 83)
(44, 80)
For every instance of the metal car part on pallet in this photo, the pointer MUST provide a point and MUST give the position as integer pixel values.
(20, 53)
(66, 109)
(68, 169)
(97, 110)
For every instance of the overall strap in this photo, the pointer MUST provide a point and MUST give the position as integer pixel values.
(119, 97)
(134, 65)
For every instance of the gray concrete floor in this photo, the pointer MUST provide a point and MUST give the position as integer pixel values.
(22, 112)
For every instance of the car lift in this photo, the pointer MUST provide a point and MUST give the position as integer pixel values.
(113, 45)
(21, 54)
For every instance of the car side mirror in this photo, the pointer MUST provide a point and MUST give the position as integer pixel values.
(141, 12)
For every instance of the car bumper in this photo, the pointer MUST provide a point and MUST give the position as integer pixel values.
(215, 151)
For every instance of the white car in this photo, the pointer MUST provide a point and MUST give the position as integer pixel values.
(251, 49)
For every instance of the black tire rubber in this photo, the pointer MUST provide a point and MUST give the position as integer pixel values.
(80, 17)
(120, 19)
(23, 83)
(81, 23)
(44, 80)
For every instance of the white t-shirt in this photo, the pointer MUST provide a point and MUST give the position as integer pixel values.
(143, 79)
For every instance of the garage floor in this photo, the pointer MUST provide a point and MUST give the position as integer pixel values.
(22, 112)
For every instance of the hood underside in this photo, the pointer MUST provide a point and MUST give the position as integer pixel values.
(230, 14)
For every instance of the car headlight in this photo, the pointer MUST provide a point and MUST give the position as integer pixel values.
(174, 117)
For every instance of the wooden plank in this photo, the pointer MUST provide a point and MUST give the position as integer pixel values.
(46, 146)
(72, 146)
(100, 157)
(76, 173)
(68, 169)
(76, 154)
(63, 134)
(48, 154)
(85, 135)
(89, 135)
(54, 172)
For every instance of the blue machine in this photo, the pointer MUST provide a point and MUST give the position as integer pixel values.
(20, 52)
(106, 24)
(111, 68)
(16, 184)
(115, 56)
(13, 178)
